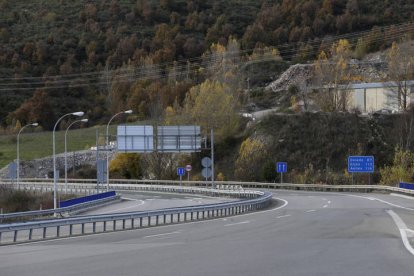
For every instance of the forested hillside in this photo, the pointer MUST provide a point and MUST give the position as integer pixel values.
(107, 55)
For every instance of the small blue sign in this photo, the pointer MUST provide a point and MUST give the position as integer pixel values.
(180, 171)
(281, 167)
(361, 164)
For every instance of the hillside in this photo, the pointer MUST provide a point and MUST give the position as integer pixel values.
(104, 56)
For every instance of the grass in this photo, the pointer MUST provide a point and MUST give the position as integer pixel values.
(38, 145)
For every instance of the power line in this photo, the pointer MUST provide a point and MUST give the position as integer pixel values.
(157, 70)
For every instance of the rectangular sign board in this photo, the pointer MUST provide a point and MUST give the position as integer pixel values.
(12, 173)
(178, 139)
(135, 138)
(361, 164)
(281, 167)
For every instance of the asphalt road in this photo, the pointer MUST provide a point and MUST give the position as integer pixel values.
(144, 201)
(306, 234)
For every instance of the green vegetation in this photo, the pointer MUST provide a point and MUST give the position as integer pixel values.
(39, 144)
(106, 56)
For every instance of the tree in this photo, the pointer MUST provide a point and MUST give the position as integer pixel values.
(126, 165)
(400, 61)
(252, 154)
(210, 106)
(332, 77)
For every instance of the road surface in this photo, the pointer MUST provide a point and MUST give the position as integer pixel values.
(305, 234)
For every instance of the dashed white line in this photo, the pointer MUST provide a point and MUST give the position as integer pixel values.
(161, 235)
(285, 216)
(324, 206)
(309, 211)
(237, 223)
(329, 202)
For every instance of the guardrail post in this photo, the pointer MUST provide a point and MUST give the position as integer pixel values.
(178, 216)
(123, 224)
(140, 222)
(192, 215)
(83, 228)
(149, 221)
(165, 219)
(58, 231)
(156, 220)
(30, 234)
(198, 215)
(94, 227)
(15, 236)
(132, 223)
(185, 216)
(104, 226)
(44, 232)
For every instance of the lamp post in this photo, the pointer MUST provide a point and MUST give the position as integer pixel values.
(18, 152)
(79, 114)
(66, 159)
(107, 145)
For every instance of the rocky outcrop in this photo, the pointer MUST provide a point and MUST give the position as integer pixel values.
(371, 69)
(43, 167)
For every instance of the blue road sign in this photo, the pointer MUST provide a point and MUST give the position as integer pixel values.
(281, 167)
(361, 164)
(180, 171)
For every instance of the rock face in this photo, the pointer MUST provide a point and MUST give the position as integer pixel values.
(371, 69)
(43, 168)
(295, 75)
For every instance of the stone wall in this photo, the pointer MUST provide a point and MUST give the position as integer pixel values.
(43, 168)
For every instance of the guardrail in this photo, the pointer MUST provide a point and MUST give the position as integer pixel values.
(85, 186)
(24, 232)
(49, 212)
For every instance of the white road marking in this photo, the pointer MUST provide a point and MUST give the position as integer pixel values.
(309, 211)
(130, 207)
(403, 196)
(329, 202)
(324, 199)
(402, 228)
(324, 206)
(380, 200)
(285, 216)
(237, 223)
(161, 235)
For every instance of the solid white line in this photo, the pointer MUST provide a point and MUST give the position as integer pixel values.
(130, 207)
(402, 228)
(324, 206)
(285, 216)
(237, 223)
(161, 235)
(309, 211)
(403, 196)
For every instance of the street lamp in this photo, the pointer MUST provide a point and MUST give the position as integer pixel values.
(107, 145)
(79, 114)
(66, 159)
(18, 152)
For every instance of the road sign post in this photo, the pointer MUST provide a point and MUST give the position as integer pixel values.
(281, 167)
(361, 164)
(206, 171)
(180, 173)
(188, 168)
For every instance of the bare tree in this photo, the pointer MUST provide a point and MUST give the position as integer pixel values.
(332, 78)
(400, 61)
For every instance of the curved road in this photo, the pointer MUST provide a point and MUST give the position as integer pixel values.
(306, 234)
(144, 201)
